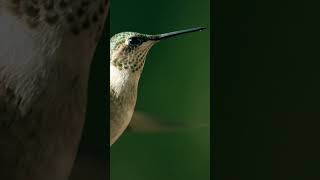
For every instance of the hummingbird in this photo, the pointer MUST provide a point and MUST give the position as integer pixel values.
(46, 49)
(128, 51)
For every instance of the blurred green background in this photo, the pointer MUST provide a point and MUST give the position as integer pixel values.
(174, 87)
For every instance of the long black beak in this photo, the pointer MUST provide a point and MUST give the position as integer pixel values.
(158, 37)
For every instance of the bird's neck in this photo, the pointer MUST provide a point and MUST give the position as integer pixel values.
(44, 69)
(123, 81)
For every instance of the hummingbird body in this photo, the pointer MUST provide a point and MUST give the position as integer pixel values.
(128, 51)
(46, 50)
(123, 96)
(126, 66)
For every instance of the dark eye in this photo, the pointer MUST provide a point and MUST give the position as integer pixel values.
(134, 41)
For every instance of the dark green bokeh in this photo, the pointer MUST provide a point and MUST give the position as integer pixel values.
(174, 86)
(91, 161)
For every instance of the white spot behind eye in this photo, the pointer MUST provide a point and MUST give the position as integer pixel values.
(134, 41)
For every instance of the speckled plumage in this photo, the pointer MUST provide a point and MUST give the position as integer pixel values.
(74, 15)
(128, 51)
(126, 64)
(45, 56)
(128, 57)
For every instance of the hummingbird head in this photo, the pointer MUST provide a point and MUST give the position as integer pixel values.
(128, 50)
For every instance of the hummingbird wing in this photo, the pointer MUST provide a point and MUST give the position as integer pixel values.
(143, 122)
